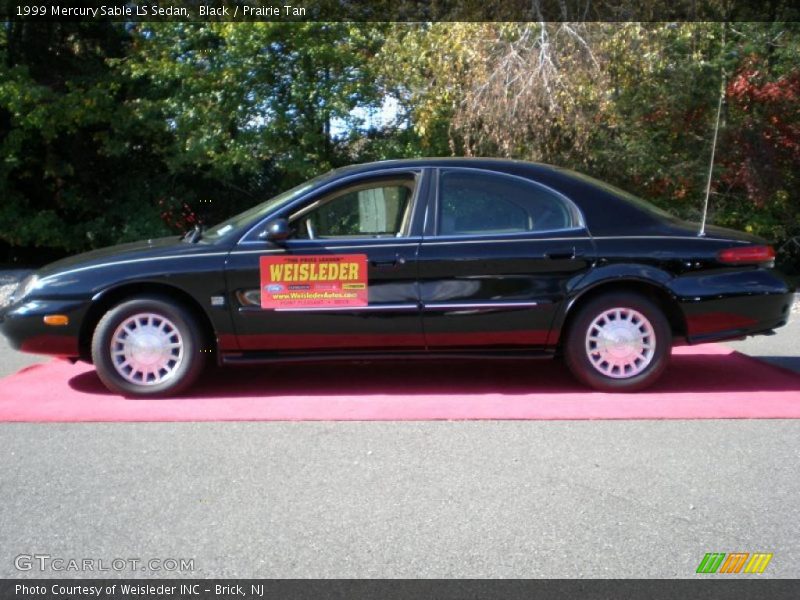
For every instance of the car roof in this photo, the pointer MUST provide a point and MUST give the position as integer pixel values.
(605, 210)
(493, 164)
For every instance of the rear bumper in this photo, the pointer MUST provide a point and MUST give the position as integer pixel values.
(733, 304)
(764, 327)
(24, 327)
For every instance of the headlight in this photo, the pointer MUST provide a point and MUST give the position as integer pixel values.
(25, 286)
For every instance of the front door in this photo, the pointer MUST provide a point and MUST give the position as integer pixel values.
(344, 281)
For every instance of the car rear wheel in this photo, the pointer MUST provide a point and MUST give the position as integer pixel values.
(618, 342)
(148, 346)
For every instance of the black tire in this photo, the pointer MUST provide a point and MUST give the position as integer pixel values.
(577, 356)
(185, 370)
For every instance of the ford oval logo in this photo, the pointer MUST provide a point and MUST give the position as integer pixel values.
(275, 287)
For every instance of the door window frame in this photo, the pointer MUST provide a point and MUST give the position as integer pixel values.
(419, 176)
(433, 216)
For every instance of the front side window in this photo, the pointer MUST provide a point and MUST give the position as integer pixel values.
(374, 210)
(476, 203)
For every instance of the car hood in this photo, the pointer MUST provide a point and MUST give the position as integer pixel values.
(120, 252)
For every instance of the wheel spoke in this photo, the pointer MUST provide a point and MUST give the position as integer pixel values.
(620, 342)
(146, 349)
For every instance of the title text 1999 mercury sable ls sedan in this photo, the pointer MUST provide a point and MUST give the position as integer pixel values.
(431, 257)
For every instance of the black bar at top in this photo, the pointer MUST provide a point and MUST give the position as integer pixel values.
(402, 10)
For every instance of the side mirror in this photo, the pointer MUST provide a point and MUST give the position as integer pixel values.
(277, 230)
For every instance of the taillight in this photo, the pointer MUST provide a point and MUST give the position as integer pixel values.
(747, 255)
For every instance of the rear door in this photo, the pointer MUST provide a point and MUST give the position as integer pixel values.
(496, 260)
(345, 280)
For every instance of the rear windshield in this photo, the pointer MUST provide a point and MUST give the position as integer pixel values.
(639, 203)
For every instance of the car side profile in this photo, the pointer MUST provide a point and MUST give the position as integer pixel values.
(457, 258)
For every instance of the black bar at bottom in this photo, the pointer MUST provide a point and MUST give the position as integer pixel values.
(397, 589)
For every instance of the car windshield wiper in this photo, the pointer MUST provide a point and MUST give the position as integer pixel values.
(193, 235)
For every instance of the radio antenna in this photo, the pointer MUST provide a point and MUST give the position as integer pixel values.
(702, 231)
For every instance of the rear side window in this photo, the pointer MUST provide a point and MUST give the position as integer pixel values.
(480, 203)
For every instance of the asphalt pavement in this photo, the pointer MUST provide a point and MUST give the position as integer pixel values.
(413, 499)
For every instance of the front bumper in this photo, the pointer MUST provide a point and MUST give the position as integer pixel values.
(23, 325)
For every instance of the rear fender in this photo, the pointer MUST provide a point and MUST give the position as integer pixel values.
(628, 276)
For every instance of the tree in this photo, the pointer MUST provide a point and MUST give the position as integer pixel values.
(631, 103)
(112, 132)
(61, 180)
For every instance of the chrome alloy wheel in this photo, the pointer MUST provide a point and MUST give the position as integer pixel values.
(620, 343)
(146, 349)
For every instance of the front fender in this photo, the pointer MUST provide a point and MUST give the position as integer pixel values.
(197, 280)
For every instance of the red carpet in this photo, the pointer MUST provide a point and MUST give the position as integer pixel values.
(703, 382)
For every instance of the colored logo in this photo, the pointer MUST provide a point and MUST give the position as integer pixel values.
(275, 287)
(735, 562)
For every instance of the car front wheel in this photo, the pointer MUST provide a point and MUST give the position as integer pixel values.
(148, 346)
(618, 342)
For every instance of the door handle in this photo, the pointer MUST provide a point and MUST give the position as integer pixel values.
(562, 254)
(388, 264)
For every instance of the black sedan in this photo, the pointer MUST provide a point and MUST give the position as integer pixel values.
(457, 258)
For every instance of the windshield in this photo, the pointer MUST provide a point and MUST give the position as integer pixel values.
(259, 210)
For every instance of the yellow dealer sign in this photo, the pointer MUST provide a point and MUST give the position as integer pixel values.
(314, 281)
